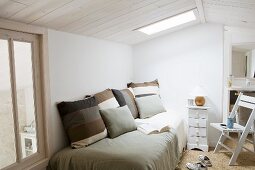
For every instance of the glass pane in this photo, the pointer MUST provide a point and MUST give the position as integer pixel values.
(25, 97)
(7, 135)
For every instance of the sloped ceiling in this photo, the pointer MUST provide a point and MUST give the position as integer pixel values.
(116, 20)
(240, 13)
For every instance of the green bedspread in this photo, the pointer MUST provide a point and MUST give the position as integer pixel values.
(130, 151)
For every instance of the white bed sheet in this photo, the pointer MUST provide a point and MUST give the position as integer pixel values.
(173, 120)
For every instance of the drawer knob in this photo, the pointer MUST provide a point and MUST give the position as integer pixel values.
(197, 123)
(197, 131)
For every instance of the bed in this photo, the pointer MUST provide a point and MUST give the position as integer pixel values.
(130, 151)
(175, 121)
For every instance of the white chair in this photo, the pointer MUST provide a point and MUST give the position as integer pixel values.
(247, 102)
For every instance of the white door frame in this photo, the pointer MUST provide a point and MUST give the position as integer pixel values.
(227, 62)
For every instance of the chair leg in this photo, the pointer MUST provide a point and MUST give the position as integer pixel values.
(241, 141)
(253, 137)
(238, 135)
(221, 139)
(238, 148)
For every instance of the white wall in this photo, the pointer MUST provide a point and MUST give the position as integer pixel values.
(81, 65)
(243, 36)
(181, 61)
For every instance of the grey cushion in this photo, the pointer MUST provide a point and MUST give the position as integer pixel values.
(149, 106)
(118, 121)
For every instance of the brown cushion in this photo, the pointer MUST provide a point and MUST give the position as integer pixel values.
(106, 99)
(150, 83)
(82, 122)
(145, 88)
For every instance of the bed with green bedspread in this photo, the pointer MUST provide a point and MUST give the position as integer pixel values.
(130, 151)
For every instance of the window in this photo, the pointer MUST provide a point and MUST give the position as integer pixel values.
(168, 23)
(21, 115)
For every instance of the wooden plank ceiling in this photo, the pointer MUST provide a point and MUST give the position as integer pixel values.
(116, 20)
(239, 13)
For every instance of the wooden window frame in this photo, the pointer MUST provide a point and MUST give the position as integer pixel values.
(44, 85)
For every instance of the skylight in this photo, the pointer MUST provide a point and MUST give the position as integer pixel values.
(168, 23)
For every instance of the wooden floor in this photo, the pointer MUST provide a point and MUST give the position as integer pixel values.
(245, 161)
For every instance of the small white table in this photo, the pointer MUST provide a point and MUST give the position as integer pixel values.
(236, 127)
(197, 133)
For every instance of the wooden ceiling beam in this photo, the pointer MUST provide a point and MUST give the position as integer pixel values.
(200, 9)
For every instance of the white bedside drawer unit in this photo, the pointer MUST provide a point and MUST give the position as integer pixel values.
(197, 133)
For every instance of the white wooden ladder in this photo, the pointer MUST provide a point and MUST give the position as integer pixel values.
(243, 101)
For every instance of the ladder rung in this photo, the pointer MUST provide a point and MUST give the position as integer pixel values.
(247, 149)
(236, 140)
(225, 146)
(248, 140)
(231, 150)
(227, 136)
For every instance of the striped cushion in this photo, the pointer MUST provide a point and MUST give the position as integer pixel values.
(82, 122)
(145, 89)
(106, 100)
(126, 97)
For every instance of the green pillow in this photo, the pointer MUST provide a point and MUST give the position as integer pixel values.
(118, 121)
(149, 106)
